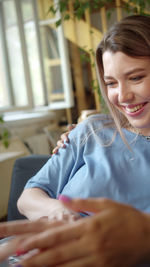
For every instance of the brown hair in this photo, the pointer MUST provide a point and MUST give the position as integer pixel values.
(132, 37)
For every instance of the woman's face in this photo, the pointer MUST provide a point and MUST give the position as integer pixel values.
(127, 82)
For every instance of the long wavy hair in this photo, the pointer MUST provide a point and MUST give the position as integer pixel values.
(130, 36)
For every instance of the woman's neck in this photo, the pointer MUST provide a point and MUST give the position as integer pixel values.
(143, 132)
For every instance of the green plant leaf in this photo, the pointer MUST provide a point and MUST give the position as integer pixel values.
(79, 13)
(6, 143)
(52, 10)
(1, 119)
(108, 14)
(67, 17)
(4, 133)
(63, 4)
(58, 22)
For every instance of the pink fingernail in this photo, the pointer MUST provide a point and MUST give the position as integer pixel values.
(64, 198)
(20, 252)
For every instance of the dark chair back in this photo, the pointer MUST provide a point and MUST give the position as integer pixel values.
(24, 168)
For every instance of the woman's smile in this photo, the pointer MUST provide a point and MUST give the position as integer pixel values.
(134, 110)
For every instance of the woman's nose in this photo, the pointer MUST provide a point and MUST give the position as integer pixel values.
(125, 95)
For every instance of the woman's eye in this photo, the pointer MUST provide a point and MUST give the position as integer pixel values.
(137, 78)
(110, 84)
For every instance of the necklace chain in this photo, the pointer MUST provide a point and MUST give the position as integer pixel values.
(146, 137)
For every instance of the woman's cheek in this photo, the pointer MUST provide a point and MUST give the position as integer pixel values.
(112, 96)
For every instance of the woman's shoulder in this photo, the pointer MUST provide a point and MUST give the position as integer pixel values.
(97, 120)
(92, 124)
(104, 118)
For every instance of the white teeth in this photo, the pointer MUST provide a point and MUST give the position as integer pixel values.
(134, 109)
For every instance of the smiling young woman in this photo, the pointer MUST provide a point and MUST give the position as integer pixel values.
(124, 55)
(90, 167)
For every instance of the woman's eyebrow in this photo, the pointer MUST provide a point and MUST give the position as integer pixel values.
(126, 73)
(108, 77)
(133, 71)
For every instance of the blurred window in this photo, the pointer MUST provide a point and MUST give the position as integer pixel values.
(34, 65)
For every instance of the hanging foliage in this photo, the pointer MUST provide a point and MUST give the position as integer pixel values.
(80, 6)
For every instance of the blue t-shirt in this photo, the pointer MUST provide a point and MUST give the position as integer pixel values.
(93, 166)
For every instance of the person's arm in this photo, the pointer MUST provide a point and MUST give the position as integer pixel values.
(117, 235)
(42, 191)
(34, 203)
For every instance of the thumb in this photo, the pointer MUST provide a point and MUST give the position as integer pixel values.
(90, 204)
